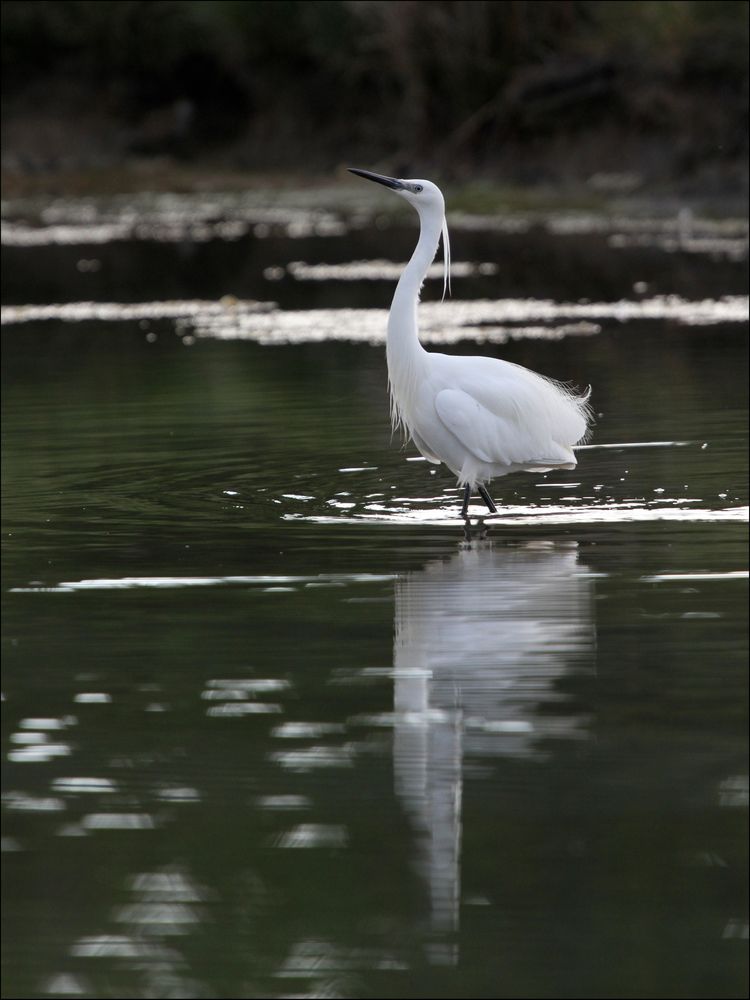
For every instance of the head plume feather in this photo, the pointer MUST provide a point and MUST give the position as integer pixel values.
(446, 260)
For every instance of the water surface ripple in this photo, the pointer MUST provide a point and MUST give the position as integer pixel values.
(272, 725)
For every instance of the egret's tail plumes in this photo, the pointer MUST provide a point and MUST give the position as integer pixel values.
(585, 409)
(580, 430)
(568, 413)
(446, 259)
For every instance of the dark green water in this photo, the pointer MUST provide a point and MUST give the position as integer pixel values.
(272, 728)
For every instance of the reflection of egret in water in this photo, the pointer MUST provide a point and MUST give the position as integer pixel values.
(480, 641)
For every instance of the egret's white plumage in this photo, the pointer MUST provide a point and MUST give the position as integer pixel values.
(482, 417)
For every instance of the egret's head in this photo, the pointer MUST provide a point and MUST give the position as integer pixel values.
(427, 198)
(423, 195)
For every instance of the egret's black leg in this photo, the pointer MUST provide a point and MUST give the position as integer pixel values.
(467, 497)
(487, 499)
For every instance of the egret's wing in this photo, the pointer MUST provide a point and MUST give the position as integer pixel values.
(499, 436)
(424, 448)
(469, 421)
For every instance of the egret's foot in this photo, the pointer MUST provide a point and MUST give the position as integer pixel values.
(465, 506)
(475, 532)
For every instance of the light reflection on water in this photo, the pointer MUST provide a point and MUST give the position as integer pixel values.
(491, 321)
(541, 514)
(333, 213)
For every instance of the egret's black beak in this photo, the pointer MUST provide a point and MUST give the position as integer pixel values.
(389, 182)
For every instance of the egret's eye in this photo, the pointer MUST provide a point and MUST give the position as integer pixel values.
(417, 188)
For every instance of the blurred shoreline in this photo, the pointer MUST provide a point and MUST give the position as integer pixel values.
(718, 196)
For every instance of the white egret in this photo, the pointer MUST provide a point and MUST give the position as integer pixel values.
(482, 417)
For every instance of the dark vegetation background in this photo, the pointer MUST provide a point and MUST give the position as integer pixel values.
(565, 92)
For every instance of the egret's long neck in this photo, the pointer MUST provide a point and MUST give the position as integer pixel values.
(402, 322)
(404, 351)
